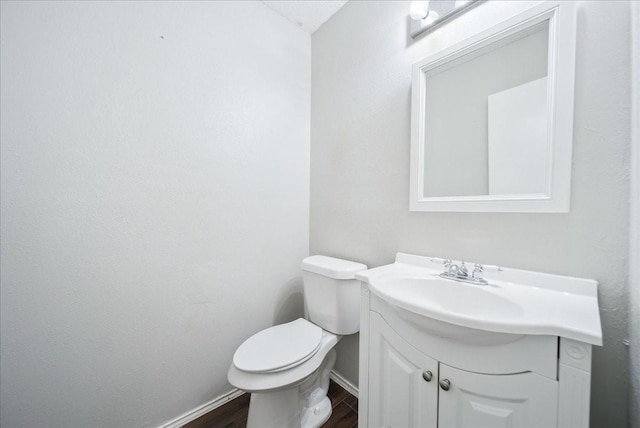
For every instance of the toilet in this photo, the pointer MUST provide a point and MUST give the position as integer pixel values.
(286, 367)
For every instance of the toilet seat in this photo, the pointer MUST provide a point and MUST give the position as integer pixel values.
(282, 379)
(279, 348)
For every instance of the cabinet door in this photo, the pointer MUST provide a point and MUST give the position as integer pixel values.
(477, 400)
(400, 395)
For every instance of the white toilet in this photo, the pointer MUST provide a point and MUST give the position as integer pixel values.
(286, 367)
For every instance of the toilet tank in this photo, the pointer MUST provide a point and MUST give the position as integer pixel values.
(332, 294)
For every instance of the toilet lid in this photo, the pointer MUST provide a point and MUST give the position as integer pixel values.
(278, 347)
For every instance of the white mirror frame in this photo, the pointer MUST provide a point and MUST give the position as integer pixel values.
(560, 98)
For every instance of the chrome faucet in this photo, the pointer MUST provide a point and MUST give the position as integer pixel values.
(454, 271)
(451, 268)
(463, 272)
(460, 272)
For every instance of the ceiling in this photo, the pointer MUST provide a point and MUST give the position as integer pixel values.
(308, 14)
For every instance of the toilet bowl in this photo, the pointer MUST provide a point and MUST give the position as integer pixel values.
(286, 367)
(284, 397)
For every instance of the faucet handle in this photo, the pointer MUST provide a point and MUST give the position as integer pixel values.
(477, 271)
(449, 268)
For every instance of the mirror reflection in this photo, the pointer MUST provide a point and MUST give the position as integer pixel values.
(485, 120)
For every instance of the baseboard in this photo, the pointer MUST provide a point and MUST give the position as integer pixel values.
(194, 414)
(343, 382)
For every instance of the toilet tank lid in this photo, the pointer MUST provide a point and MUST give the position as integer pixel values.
(332, 267)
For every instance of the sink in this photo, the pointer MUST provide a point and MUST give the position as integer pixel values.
(459, 303)
(445, 295)
(514, 303)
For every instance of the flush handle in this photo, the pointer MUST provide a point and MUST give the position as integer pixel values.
(445, 384)
(427, 375)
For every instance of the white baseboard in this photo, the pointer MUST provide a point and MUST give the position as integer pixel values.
(194, 414)
(343, 382)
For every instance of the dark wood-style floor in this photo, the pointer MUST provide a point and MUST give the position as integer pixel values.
(234, 413)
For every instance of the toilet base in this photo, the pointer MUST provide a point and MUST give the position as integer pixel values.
(304, 405)
(316, 416)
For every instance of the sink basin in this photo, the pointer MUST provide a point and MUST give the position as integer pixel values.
(445, 295)
(514, 303)
(458, 303)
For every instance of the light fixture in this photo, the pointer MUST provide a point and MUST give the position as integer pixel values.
(432, 17)
(427, 15)
(421, 16)
(419, 10)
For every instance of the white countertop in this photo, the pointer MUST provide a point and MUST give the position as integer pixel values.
(514, 301)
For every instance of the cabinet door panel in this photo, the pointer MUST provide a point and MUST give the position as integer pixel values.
(399, 396)
(478, 401)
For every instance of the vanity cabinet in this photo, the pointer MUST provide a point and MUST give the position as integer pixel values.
(514, 400)
(403, 382)
(410, 377)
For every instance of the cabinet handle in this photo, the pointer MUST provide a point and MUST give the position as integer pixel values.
(427, 375)
(445, 384)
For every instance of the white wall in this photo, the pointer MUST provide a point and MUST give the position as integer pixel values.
(360, 134)
(634, 253)
(155, 169)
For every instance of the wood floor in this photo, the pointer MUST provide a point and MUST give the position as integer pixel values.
(234, 413)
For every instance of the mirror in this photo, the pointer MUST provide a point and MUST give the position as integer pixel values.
(492, 118)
